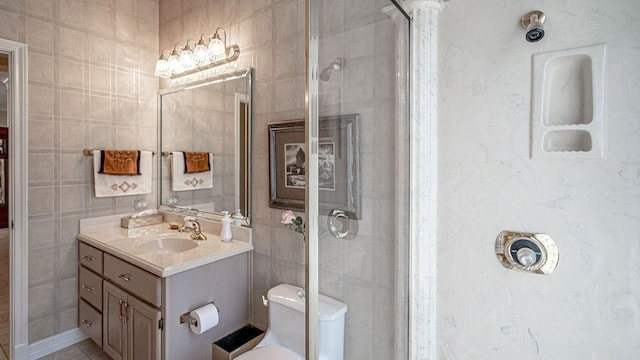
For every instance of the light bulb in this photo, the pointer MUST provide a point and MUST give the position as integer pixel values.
(162, 68)
(216, 49)
(174, 63)
(201, 54)
(186, 60)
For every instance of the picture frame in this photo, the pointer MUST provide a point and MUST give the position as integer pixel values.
(338, 167)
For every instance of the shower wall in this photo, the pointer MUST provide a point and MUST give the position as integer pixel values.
(590, 306)
(359, 270)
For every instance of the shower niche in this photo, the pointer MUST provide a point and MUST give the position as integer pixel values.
(568, 103)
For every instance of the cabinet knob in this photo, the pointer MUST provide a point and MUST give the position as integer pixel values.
(125, 277)
(88, 288)
(87, 258)
(87, 323)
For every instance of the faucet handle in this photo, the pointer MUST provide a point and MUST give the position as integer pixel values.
(187, 220)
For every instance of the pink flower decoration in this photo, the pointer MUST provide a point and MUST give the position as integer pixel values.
(288, 217)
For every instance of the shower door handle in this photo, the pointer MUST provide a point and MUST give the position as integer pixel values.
(339, 223)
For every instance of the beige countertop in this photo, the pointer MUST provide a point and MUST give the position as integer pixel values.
(106, 234)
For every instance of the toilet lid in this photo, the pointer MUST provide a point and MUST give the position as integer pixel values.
(270, 352)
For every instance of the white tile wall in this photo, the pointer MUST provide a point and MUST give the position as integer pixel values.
(81, 67)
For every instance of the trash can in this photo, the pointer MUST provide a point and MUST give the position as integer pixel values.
(236, 343)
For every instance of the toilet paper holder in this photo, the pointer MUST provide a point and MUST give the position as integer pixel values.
(190, 320)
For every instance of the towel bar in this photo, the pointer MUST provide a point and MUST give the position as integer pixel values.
(169, 153)
(89, 152)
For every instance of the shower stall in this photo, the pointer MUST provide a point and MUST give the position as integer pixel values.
(357, 169)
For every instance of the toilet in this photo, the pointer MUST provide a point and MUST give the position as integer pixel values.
(285, 337)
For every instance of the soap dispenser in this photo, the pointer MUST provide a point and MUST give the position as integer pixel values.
(237, 217)
(225, 233)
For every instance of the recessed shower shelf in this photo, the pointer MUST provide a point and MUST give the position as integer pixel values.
(567, 141)
(568, 103)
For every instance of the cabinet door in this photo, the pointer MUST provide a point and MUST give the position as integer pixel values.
(114, 326)
(143, 331)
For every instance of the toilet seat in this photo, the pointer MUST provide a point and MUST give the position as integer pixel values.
(270, 352)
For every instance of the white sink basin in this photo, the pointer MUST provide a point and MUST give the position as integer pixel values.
(167, 245)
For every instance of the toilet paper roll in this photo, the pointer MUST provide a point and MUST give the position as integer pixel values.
(204, 318)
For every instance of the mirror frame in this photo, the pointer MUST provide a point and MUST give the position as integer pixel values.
(246, 73)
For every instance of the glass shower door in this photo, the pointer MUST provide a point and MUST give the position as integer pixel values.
(357, 205)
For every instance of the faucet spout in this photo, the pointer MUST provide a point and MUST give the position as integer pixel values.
(196, 232)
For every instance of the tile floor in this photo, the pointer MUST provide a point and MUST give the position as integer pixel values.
(85, 350)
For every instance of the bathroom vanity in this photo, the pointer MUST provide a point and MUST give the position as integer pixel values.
(135, 283)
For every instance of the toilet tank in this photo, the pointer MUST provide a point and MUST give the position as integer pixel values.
(287, 322)
(331, 314)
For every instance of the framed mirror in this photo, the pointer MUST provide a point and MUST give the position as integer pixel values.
(205, 142)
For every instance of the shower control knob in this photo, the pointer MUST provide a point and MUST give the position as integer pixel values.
(526, 256)
(536, 253)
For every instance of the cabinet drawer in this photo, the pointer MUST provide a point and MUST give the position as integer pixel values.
(90, 320)
(136, 281)
(90, 257)
(90, 287)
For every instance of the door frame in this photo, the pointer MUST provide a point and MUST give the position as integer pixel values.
(18, 199)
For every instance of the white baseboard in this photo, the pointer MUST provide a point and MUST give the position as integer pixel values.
(21, 352)
(56, 342)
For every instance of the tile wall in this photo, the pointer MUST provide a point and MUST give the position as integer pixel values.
(91, 85)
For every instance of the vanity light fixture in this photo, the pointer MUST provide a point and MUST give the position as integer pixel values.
(209, 52)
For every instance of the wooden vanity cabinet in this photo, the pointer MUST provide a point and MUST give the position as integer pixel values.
(90, 291)
(124, 326)
(131, 327)
(133, 314)
(132, 321)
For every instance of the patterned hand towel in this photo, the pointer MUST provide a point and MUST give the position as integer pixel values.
(120, 162)
(182, 181)
(120, 185)
(195, 162)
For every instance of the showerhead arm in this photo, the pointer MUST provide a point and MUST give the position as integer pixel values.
(335, 65)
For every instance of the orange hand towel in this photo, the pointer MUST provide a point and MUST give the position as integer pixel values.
(195, 162)
(120, 162)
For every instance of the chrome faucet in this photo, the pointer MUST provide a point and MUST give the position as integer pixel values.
(196, 232)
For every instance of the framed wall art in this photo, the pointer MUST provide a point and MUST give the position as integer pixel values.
(338, 165)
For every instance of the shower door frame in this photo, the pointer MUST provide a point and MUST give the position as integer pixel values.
(18, 199)
(311, 132)
(417, 282)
